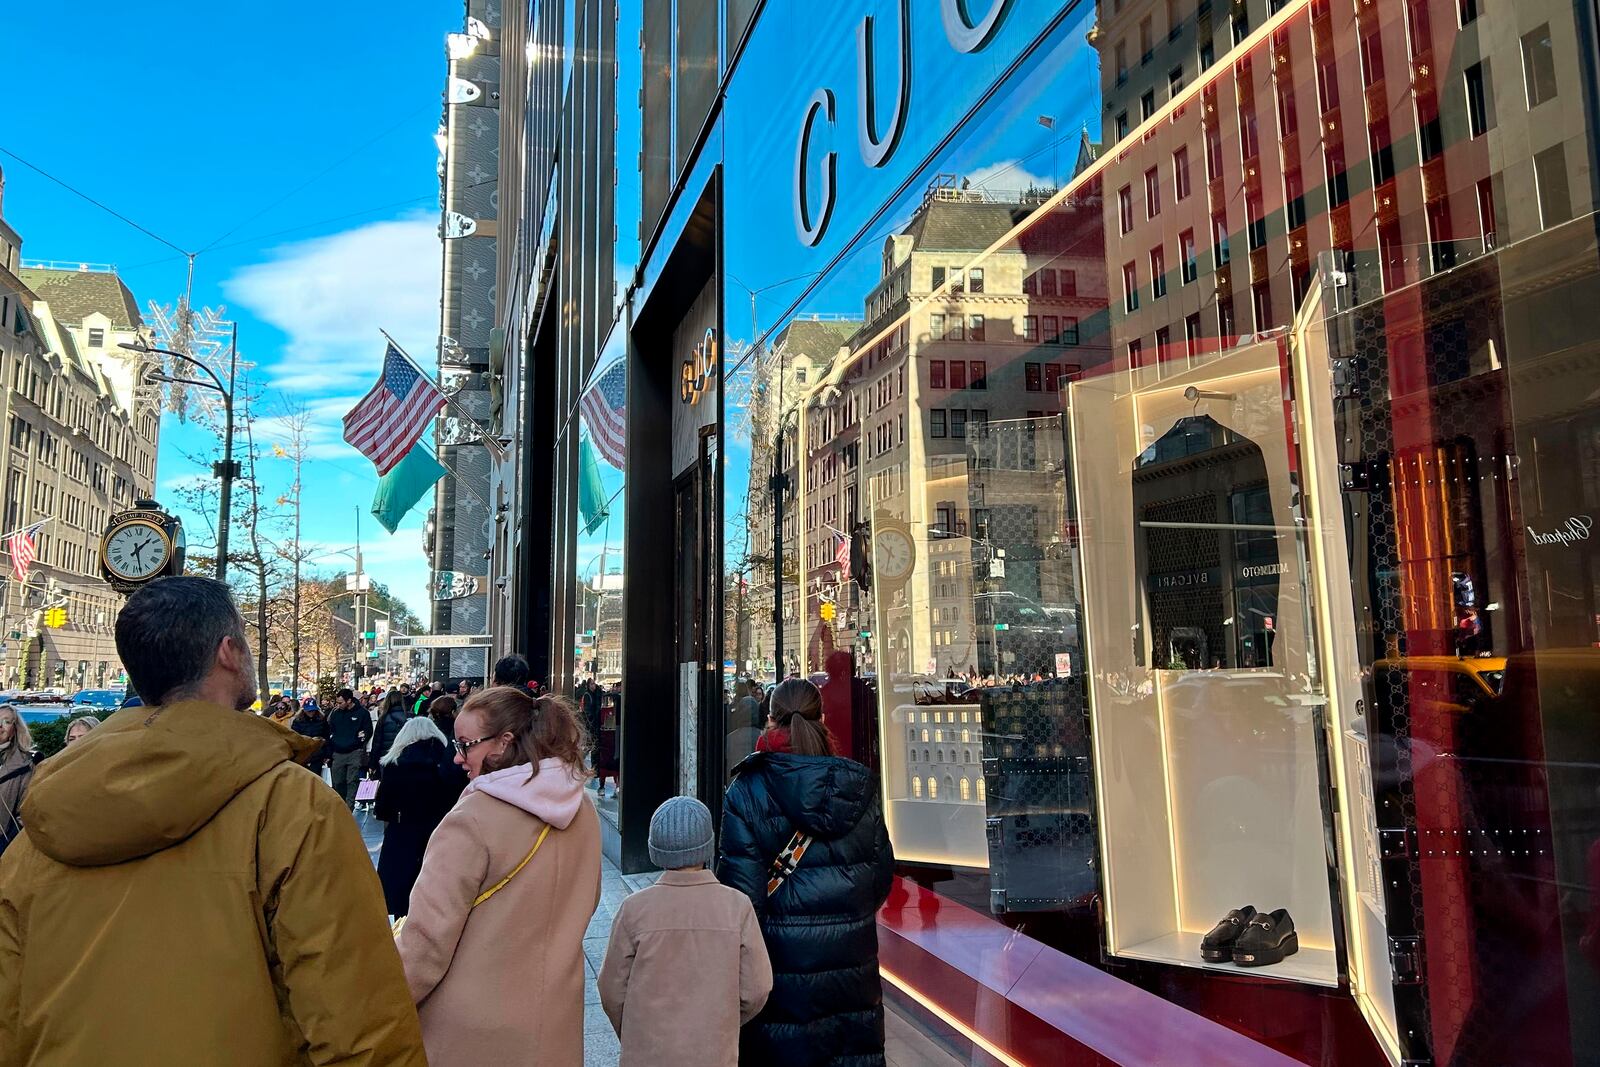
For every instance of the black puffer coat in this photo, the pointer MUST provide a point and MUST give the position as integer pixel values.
(820, 926)
(385, 732)
(417, 791)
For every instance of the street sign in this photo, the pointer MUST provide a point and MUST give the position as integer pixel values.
(440, 640)
(1001, 626)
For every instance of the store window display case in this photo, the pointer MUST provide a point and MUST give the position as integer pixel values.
(1208, 704)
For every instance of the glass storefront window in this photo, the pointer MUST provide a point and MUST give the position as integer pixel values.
(1160, 568)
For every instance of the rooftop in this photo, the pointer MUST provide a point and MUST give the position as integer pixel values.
(76, 292)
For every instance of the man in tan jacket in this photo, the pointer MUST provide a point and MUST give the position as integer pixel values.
(183, 892)
(686, 966)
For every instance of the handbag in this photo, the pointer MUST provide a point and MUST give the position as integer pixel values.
(366, 789)
(501, 884)
(788, 860)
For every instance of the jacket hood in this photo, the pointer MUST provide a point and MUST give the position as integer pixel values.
(148, 778)
(825, 796)
(553, 795)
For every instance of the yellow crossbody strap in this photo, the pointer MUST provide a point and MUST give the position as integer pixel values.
(501, 884)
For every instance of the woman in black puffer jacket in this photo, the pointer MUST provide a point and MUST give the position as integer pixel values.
(820, 924)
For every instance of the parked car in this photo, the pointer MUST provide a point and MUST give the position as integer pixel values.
(99, 701)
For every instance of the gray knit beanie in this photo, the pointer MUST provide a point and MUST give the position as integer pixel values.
(681, 834)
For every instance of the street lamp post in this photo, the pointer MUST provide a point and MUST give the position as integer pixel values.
(228, 469)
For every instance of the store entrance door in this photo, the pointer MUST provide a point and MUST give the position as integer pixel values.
(695, 597)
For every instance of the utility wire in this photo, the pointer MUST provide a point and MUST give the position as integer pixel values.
(109, 210)
(315, 177)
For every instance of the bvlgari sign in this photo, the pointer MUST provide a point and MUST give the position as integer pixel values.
(966, 34)
(1563, 533)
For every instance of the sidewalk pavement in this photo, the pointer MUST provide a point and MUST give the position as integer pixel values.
(907, 1045)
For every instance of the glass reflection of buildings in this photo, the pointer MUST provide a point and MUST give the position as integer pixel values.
(1374, 141)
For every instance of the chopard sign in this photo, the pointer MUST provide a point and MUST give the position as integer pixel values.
(965, 33)
(1576, 528)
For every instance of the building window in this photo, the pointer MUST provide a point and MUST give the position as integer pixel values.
(1288, 117)
(1371, 59)
(936, 327)
(916, 787)
(1550, 177)
(938, 277)
(1147, 40)
(1208, 53)
(1189, 255)
(1480, 116)
(1225, 329)
(97, 337)
(1130, 287)
(1147, 104)
(1486, 213)
(1241, 27)
(1294, 197)
(1125, 207)
(1030, 284)
(980, 373)
(1180, 174)
(1163, 343)
(1069, 331)
(1249, 135)
(1033, 379)
(1468, 10)
(936, 374)
(1441, 243)
(1381, 146)
(1135, 354)
(1052, 377)
(1152, 193)
(1158, 272)
(1047, 281)
(933, 788)
(958, 422)
(957, 328)
(1030, 328)
(1051, 326)
(1122, 125)
(1120, 53)
(936, 428)
(966, 788)
(1213, 152)
(1338, 177)
(1191, 336)
(975, 280)
(1219, 237)
(1390, 255)
(975, 327)
(1261, 297)
(1539, 65)
(958, 374)
(1069, 282)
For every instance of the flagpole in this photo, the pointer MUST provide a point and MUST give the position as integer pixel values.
(450, 401)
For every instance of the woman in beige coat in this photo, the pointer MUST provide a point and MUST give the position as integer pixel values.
(493, 947)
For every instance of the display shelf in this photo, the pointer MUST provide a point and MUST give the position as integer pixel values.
(1317, 966)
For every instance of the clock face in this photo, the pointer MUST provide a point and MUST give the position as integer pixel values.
(896, 553)
(137, 551)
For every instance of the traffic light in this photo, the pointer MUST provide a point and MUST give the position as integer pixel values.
(55, 618)
(828, 611)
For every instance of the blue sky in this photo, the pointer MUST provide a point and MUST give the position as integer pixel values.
(192, 119)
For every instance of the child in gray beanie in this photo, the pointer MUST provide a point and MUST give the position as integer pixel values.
(686, 966)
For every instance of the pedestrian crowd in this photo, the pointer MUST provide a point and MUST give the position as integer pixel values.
(185, 868)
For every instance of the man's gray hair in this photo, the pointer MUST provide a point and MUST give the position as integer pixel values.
(168, 634)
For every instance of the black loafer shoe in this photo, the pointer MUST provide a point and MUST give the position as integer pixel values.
(1217, 946)
(1266, 940)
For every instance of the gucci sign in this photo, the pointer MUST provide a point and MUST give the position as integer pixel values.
(965, 34)
(1576, 528)
(699, 374)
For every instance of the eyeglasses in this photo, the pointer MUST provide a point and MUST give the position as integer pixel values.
(463, 746)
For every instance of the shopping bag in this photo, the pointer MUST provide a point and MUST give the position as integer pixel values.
(327, 776)
(367, 790)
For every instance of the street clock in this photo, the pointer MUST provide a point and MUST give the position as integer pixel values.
(140, 546)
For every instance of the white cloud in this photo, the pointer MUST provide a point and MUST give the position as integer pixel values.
(331, 295)
(1008, 176)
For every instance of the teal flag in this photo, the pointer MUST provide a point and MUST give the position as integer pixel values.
(400, 489)
(591, 494)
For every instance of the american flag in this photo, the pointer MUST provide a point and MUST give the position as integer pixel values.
(23, 545)
(604, 408)
(390, 418)
(841, 552)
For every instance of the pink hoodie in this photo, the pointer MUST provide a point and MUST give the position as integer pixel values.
(553, 795)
